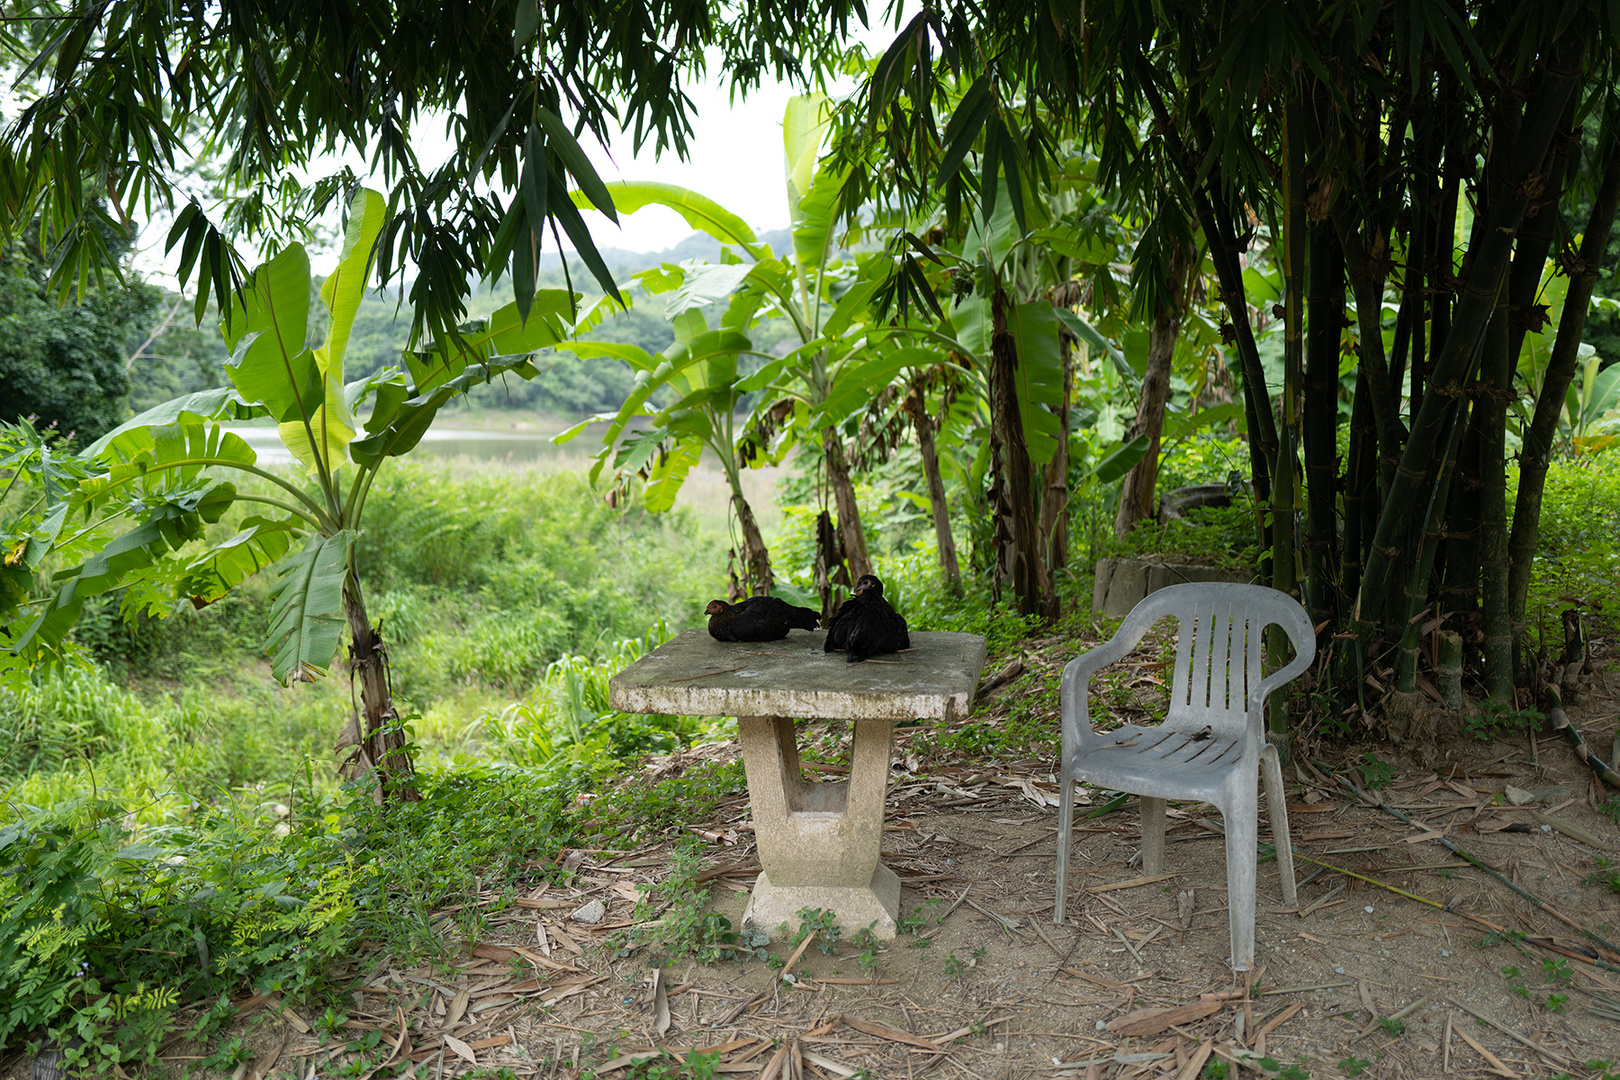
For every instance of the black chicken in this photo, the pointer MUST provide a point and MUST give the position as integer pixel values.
(865, 625)
(758, 618)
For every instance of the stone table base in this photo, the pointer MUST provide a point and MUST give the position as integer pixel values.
(875, 905)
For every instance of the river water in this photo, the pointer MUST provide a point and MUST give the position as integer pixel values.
(515, 450)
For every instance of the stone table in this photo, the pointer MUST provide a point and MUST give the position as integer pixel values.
(818, 842)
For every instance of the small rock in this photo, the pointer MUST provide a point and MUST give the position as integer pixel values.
(1368, 909)
(1102, 1025)
(590, 914)
(1548, 794)
(1445, 953)
(1517, 795)
(1336, 971)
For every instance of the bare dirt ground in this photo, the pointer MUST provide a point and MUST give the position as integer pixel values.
(1370, 976)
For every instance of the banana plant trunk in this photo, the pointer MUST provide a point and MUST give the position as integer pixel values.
(1018, 554)
(1054, 522)
(756, 559)
(1136, 497)
(849, 512)
(376, 734)
(937, 505)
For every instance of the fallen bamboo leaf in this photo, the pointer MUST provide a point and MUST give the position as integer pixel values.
(787, 969)
(1281, 1018)
(1494, 1061)
(1195, 1064)
(1153, 1021)
(458, 1008)
(626, 1060)
(462, 1050)
(827, 1064)
(833, 981)
(1131, 884)
(660, 1003)
(774, 1067)
(884, 1031)
(1531, 1043)
(262, 1067)
(1574, 832)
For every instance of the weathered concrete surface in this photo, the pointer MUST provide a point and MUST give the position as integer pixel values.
(695, 675)
(818, 842)
(876, 904)
(1120, 584)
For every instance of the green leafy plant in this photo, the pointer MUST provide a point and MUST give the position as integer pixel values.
(1217, 1070)
(1354, 1066)
(869, 946)
(953, 966)
(822, 922)
(1497, 719)
(174, 471)
(1375, 773)
(1556, 1003)
(1392, 1027)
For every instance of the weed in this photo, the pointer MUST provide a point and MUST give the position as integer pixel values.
(868, 944)
(1217, 1070)
(1375, 774)
(1497, 719)
(1392, 1027)
(817, 920)
(228, 1055)
(1606, 876)
(1293, 1072)
(1515, 981)
(1556, 972)
(953, 966)
(665, 1066)
(1556, 1003)
(918, 919)
(1354, 1066)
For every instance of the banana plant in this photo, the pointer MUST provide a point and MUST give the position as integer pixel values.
(172, 473)
(816, 392)
(660, 445)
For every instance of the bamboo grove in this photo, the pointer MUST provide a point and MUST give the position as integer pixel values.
(1436, 181)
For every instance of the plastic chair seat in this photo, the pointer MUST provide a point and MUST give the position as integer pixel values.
(1211, 745)
(1169, 759)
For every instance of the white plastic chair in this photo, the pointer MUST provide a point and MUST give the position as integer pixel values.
(1211, 743)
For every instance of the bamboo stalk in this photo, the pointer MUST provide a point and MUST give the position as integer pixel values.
(1490, 421)
(1490, 259)
(1536, 453)
(1552, 700)
(1326, 303)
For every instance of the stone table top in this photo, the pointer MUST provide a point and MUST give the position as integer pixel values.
(695, 675)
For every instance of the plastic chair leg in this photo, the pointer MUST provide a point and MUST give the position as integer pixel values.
(1242, 834)
(1277, 804)
(1152, 836)
(1065, 828)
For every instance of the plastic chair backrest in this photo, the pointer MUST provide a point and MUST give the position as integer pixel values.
(1217, 679)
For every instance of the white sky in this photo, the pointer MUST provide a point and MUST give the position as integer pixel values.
(735, 157)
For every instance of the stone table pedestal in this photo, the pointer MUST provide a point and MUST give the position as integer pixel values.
(819, 843)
